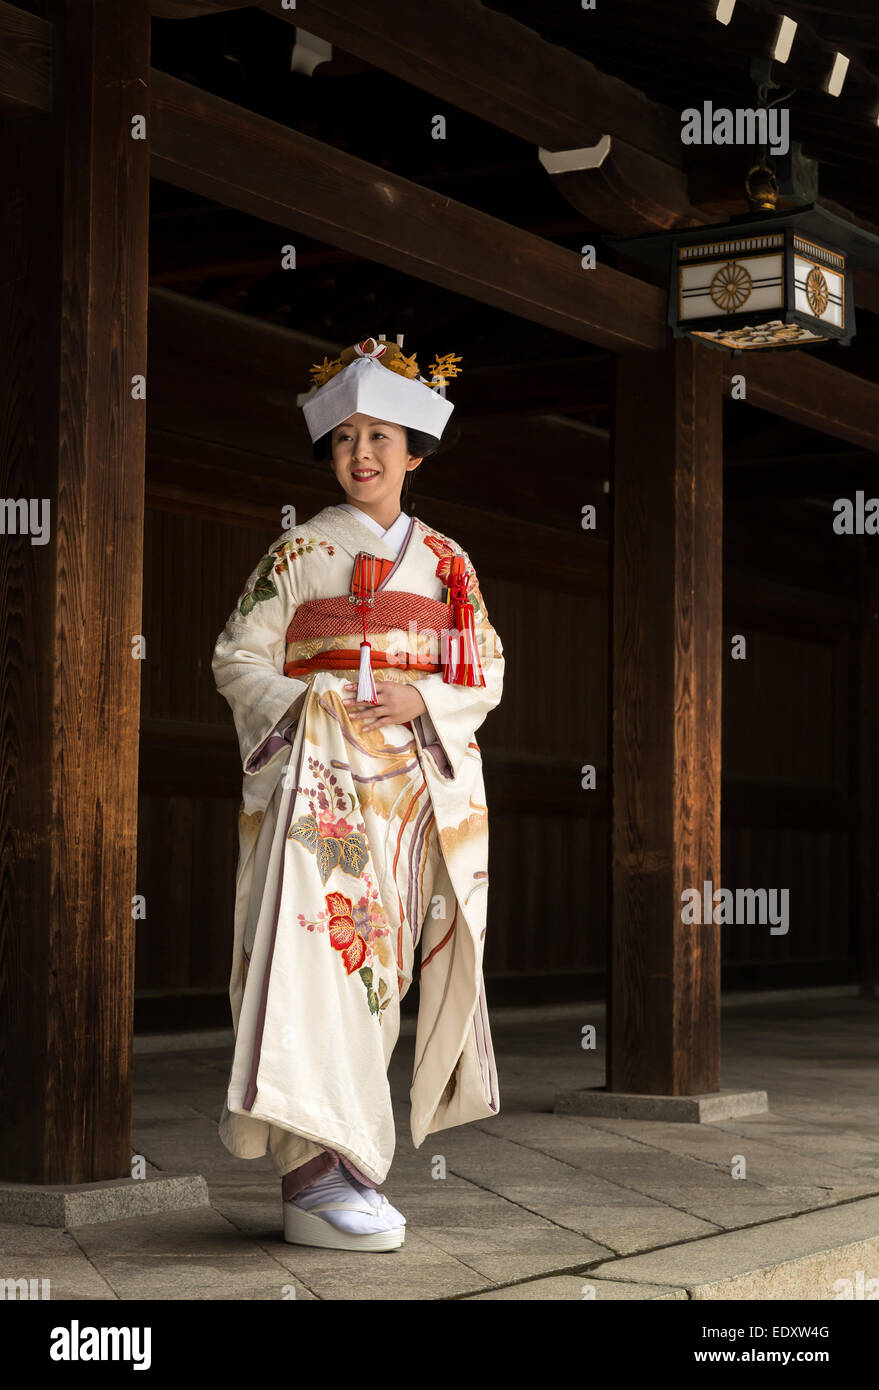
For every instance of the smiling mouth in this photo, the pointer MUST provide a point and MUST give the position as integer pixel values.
(363, 475)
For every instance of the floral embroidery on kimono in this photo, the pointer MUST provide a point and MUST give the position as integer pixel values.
(277, 560)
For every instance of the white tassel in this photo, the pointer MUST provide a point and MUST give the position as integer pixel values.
(471, 651)
(365, 679)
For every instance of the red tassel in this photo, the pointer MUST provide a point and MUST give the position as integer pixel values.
(461, 665)
(363, 596)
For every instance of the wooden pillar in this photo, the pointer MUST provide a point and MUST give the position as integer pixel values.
(73, 308)
(665, 686)
(864, 768)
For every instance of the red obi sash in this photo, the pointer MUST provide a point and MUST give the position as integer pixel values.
(336, 617)
(379, 611)
(348, 659)
(392, 609)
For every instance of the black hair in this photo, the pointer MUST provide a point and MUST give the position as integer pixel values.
(418, 444)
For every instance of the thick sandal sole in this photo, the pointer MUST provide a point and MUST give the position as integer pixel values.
(302, 1228)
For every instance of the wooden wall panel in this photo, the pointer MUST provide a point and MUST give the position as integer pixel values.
(777, 707)
(814, 866)
(187, 857)
(547, 900)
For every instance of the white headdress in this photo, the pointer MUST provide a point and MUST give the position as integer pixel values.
(374, 377)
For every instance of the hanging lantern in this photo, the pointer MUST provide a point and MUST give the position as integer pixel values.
(763, 280)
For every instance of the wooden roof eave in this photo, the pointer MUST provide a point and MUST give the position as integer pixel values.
(509, 76)
(242, 160)
(245, 161)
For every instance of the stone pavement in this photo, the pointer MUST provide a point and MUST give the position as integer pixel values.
(533, 1205)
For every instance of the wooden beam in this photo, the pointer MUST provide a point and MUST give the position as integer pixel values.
(571, 385)
(546, 94)
(803, 475)
(25, 62)
(665, 683)
(504, 72)
(508, 75)
(73, 301)
(218, 150)
(632, 192)
(810, 392)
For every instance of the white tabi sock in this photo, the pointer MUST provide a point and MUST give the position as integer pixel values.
(353, 1215)
(377, 1200)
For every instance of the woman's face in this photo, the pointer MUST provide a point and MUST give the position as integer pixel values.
(370, 461)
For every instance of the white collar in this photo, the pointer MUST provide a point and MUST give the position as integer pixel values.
(395, 534)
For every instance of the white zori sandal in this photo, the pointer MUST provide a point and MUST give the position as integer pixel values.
(336, 1215)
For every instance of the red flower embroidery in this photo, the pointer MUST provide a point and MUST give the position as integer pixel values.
(446, 552)
(344, 936)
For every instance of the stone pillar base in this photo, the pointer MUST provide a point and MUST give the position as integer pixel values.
(689, 1110)
(84, 1204)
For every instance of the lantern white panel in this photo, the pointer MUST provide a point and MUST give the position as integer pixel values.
(751, 285)
(819, 291)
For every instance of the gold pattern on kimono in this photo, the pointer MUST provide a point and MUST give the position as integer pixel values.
(453, 836)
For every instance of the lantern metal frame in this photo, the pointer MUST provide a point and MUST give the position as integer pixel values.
(816, 229)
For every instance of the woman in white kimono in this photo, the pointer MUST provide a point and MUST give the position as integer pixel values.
(358, 664)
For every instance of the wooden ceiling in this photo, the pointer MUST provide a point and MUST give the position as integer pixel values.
(680, 55)
(675, 53)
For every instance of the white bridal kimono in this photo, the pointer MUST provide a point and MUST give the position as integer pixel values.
(354, 845)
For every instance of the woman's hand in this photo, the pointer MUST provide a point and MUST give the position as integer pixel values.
(398, 702)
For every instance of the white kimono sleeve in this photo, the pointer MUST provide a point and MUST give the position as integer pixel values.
(248, 665)
(455, 712)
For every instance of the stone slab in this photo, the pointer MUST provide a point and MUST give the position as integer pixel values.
(416, 1272)
(566, 1288)
(798, 1257)
(689, 1110)
(52, 1277)
(83, 1204)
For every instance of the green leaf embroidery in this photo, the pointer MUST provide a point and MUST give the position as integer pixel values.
(372, 1000)
(263, 589)
(266, 565)
(366, 975)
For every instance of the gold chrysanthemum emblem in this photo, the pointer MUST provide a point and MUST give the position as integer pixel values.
(817, 292)
(731, 287)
